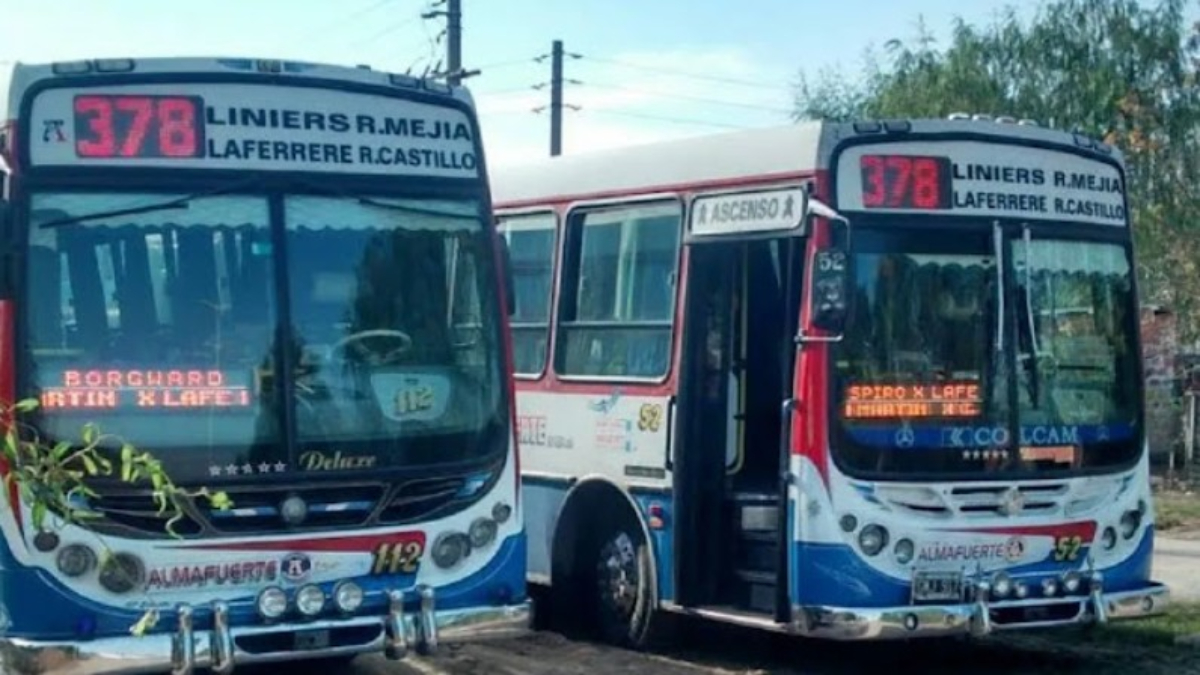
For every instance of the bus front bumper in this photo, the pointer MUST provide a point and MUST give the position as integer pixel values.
(220, 649)
(980, 617)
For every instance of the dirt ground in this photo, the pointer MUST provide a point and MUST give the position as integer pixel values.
(719, 650)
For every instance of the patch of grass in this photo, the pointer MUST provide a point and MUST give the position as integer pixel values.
(1177, 511)
(1179, 620)
(1145, 646)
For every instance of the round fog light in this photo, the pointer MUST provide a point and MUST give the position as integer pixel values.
(904, 551)
(1002, 585)
(310, 600)
(1049, 587)
(482, 532)
(1021, 589)
(348, 596)
(1072, 581)
(272, 602)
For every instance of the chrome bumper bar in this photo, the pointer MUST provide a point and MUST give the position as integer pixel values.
(187, 650)
(976, 618)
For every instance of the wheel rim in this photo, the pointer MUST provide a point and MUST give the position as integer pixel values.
(617, 577)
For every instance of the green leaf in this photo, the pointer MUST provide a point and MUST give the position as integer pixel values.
(127, 463)
(39, 514)
(89, 433)
(26, 405)
(61, 449)
(147, 622)
(89, 464)
(220, 501)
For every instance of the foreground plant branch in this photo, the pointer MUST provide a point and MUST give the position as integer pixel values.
(52, 479)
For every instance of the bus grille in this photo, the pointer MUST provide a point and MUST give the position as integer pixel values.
(972, 501)
(256, 509)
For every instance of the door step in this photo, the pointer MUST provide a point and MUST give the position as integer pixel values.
(752, 521)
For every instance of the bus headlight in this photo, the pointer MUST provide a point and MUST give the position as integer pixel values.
(1130, 520)
(482, 532)
(348, 596)
(1108, 538)
(272, 603)
(904, 551)
(121, 573)
(310, 600)
(872, 539)
(75, 560)
(501, 512)
(449, 548)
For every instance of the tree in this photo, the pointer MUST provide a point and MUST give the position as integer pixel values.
(1109, 68)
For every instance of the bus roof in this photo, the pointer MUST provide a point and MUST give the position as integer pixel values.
(779, 152)
(19, 77)
(759, 155)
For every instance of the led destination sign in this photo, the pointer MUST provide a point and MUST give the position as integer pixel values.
(980, 179)
(250, 127)
(111, 389)
(883, 401)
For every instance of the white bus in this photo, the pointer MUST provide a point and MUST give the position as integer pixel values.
(175, 230)
(851, 381)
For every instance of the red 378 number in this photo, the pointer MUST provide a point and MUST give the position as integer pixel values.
(138, 126)
(905, 182)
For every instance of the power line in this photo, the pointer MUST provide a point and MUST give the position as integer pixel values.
(664, 118)
(686, 97)
(328, 29)
(388, 30)
(684, 73)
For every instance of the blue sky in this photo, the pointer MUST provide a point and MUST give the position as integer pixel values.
(638, 58)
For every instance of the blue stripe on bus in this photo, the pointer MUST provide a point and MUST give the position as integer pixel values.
(837, 576)
(41, 607)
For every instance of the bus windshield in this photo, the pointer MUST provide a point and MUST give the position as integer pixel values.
(163, 326)
(928, 381)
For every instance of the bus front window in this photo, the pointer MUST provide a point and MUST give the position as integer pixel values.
(925, 376)
(154, 324)
(392, 310)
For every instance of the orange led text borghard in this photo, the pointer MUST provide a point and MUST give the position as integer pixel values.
(943, 399)
(101, 389)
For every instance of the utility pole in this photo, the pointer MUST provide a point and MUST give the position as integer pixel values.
(556, 91)
(556, 83)
(454, 73)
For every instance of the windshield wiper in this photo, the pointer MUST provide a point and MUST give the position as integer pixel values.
(179, 203)
(369, 201)
(1035, 385)
(149, 208)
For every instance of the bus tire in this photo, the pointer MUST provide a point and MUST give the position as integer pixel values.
(620, 586)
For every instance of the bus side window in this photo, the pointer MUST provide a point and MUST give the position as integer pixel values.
(531, 242)
(618, 297)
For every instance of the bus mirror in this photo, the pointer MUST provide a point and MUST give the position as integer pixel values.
(829, 294)
(510, 295)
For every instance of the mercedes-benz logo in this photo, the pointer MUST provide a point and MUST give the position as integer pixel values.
(1012, 502)
(905, 437)
(293, 510)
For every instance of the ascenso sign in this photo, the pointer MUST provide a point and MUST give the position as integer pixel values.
(980, 179)
(235, 126)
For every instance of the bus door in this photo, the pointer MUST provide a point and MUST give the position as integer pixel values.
(742, 302)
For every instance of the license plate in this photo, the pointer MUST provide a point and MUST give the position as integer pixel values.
(310, 640)
(937, 587)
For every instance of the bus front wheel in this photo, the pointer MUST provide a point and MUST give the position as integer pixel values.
(622, 586)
